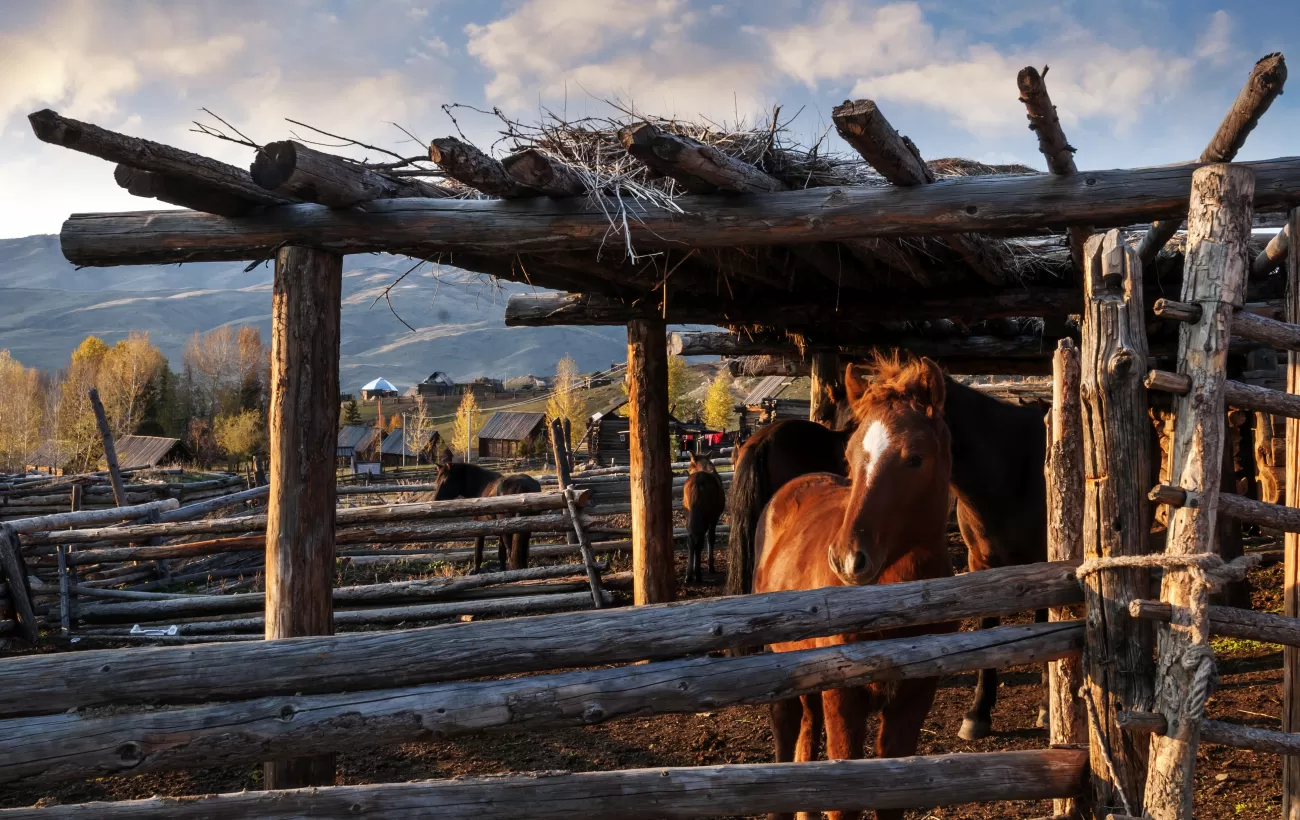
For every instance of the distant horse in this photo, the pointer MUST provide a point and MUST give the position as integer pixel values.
(462, 480)
(778, 453)
(886, 523)
(705, 499)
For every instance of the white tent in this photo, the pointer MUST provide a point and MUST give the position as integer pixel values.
(380, 384)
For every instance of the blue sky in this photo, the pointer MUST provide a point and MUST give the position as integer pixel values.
(1141, 82)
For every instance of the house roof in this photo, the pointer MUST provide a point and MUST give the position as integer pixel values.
(144, 451)
(769, 387)
(50, 453)
(439, 377)
(380, 384)
(396, 443)
(508, 425)
(355, 437)
(609, 408)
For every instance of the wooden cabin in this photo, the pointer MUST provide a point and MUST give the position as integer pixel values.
(51, 457)
(136, 452)
(607, 434)
(438, 384)
(509, 434)
(358, 444)
(772, 399)
(402, 448)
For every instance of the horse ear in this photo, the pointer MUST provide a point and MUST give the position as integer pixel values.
(934, 386)
(854, 386)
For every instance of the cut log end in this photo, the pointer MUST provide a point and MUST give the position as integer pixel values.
(274, 164)
(49, 127)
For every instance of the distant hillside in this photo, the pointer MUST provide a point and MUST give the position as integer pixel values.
(49, 306)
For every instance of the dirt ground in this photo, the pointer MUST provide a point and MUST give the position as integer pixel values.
(1231, 783)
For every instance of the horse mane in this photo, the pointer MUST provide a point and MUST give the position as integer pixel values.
(892, 376)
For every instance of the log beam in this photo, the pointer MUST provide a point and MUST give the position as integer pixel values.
(544, 173)
(653, 569)
(1274, 254)
(1291, 544)
(429, 226)
(468, 165)
(296, 171)
(699, 168)
(182, 191)
(1262, 87)
(826, 384)
(1231, 622)
(303, 422)
(1056, 149)
(14, 572)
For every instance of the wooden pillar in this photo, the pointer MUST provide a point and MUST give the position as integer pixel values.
(1117, 663)
(653, 573)
(827, 381)
(1068, 721)
(1291, 574)
(304, 419)
(110, 449)
(1218, 233)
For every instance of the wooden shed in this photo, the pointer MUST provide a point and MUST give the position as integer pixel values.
(607, 435)
(134, 452)
(509, 434)
(50, 457)
(404, 448)
(357, 443)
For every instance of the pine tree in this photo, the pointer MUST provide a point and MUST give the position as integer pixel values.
(462, 432)
(719, 404)
(351, 413)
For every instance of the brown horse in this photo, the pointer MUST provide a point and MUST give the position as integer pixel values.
(472, 481)
(704, 498)
(886, 523)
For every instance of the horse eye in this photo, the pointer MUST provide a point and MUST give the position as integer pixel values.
(914, 461)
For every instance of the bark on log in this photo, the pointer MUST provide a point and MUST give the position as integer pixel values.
(468, 165)
(197, 510)
(57, 683)
(1274, 254)
(560, 447)
(699, 168)
(110, 515)
(767, 366)
(1231, 622)
(1055, 148)
(1247, 325)
(15, 574)
(295, 171)
(182, 191)
(1117, 666)
(545, 174)
(1262, 87)
(110, 449)
(826, 382)
(963, 347)
(303, 422)
(1067, 718)
(1215, 278)
(1235, 394)
(148, 156)
(1291, 568)
(679, 793)
(427, 226)
(653, 566)
(71, 746)
(1249, 737)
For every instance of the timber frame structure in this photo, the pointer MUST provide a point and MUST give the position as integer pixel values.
(987, 273)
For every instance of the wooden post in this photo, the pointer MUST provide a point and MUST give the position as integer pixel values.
(1218, 232)
(653, 572)
(1291, 573)
(1068, 720)
(1117, 662)
(559, 443)
(826, 376)
(14, 571)
(304, 417)
(110, 449)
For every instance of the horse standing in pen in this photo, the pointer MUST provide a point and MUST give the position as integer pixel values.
(462, 480)
(705, 500)
(886, 523)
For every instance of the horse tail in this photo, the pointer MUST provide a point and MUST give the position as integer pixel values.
(749, 494)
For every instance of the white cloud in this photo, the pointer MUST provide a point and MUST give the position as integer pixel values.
(1215, 42)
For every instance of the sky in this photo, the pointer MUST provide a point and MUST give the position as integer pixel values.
(1136, 82)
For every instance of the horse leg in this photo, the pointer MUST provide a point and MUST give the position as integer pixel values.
(519, 551)
(845, 714)
(503, 545)
(901, 718)
(810, 731)
(979, 720)
(478, 553)
(713, 535)
(787, 719)
(1044, 712)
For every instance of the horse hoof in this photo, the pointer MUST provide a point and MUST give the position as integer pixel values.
(1044, 717)
(975, 729)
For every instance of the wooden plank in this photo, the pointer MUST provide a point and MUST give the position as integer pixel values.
(653, 568)
(295, 171)
(1067, 718)
(1262, 87)
(1231, 622)
(304, 423)
(110, 449)
(1116, 515)
(1291, 544)
(72, 746)
(15, 573)
(1215, 278)
(684, 793)
(356, 661)
(968, 204)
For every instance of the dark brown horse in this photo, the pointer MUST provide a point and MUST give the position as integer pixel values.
(472, 481)
(705, 499)
(886, 523)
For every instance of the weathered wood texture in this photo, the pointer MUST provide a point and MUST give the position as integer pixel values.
(303, 422)
(15, 573)
(82, 518)
(653, 569)
(424, 226)
(1231, 622)
(294, 170)
(1291, 568)
(1249, 737)
(1117, 666)
(70, 746)
(148, 156)
(110, 449)
(1245, 324)
(1218, 230)
(545, 174)
(182, 191)
(1270, 516)
(199, 509)
(826, 383)
(470, 166)
(560, 448)
(357, 661)
(1235, 394)
(1274, 254)
(1067, 718)
(638, 793)
(1262, 87)
(1055, 148)
(698, 168)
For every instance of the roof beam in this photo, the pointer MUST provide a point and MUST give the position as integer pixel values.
(293, 170)
(428, 226)
(1262, 87)
(468, 165)
(1056, 149)
(1031, 347)
(544, 173)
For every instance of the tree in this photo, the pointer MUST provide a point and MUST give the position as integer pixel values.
(74, 419)
(678, 384)
(462, 432)
(23, 401)
(418, 427)
(240, 435)
(719, 404)
(567, 402)
(130, 374)
(229, 370)
(351, 413)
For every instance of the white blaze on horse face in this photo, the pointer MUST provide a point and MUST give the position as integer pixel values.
(874, 444)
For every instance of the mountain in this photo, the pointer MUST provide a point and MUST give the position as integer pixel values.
(458, 317)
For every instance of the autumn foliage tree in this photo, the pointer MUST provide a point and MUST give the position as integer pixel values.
(567, 402)
(719, 404)
(240, 435)
(23, 398)
(462, 431)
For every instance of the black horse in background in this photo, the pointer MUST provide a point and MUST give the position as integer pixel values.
(473, 481)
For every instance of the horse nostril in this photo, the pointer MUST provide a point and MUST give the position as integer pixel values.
(859, 562)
